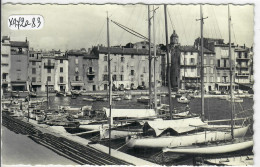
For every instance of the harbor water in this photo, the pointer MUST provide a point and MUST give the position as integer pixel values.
(215, 109)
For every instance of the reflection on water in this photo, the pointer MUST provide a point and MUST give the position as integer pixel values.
(214, 108)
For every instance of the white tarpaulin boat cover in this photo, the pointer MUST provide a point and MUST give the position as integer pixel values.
(131, 113)
(178, 125)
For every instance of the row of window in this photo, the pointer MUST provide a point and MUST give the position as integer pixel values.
(122, 58)
(192, 61)
(48, 70)
(114, 77)
(122, 69)
(48, 79)
(223, 79)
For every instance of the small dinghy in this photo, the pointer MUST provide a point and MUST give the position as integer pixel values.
(183, 100)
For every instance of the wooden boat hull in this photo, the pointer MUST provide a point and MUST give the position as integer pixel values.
(87, 99)
(212, 149)
(184, 140)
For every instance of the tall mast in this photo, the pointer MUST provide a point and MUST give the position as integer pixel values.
(168, 61)
(154, 59)
(202, 65)
(150, 58)
(231, 75)
(110, 83)
(47, 94)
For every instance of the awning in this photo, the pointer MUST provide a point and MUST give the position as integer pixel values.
(131, 113)
(225, 84)
(36, 84)
(179, 125)
(18, 84)
(77, 84)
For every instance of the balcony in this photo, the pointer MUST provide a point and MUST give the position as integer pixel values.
(14, 52)
(61, 83)
(49, 65)
(242, 66)
(222, 68)
(243, 58)
(89, 73)
(36, 82)
(4, 81)
(242, 74)
(90, 81)
(189, 65)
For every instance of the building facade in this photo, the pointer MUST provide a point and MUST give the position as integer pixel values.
(61, 79)
(242, 73)
(19, 65)
(75, 69)
(91, 71)
(34, 71)
(129, 67)
(219, 57)
(5, 64)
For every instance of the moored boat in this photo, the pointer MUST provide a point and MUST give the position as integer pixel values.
(60, 94)
(32, 94)
(143, 99)
(185, 139)
(213, 148)
(128, 97)
(244, 160)
(89, 99)
(183, 100)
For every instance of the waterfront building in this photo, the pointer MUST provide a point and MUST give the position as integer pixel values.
(5, 64)
(19, 65)
(189, 73)
(185, 73)
(129, 67)
(34, 71)
(47, 71)
(61, 82)
(209, 69)
(242, 73)
(90, 72)
(75, 70)
(221, 62)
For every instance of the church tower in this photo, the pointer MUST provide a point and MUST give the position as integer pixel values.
(174, 39)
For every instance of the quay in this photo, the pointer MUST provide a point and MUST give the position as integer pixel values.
(74, 148)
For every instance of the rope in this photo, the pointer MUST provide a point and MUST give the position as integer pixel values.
(130, 30)
(100, 33)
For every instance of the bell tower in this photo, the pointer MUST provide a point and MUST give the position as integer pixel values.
(174, 39)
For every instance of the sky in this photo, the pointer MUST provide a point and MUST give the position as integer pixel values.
(83, 26)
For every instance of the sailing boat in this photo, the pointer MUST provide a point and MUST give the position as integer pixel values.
(137, 115)
(195, 124)
(227, 146)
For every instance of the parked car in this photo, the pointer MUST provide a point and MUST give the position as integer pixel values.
(175, 89)
(215, 92)
(182, 91)
(133, 88)
(114, 88)
(141, 87)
